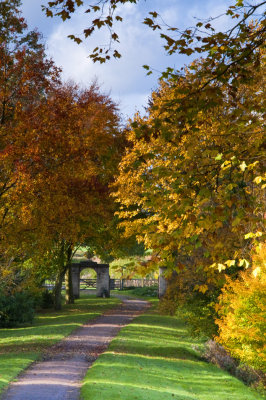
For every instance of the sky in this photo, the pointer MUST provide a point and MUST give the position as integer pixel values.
(124, 79)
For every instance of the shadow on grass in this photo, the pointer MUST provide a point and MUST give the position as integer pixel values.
(19, 347)
(51, 326)
(40, 336)
(168, 339)
(153, 359)
(13, 365)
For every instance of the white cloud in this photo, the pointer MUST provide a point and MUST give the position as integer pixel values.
(131, 103)
(125, 78)
(211, 8)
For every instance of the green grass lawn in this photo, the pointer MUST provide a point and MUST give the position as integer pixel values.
(146, 293)
(21, 346)
(153, 359)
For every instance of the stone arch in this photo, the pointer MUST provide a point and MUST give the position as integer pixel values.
(103, 277)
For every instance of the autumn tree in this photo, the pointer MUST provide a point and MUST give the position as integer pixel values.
(60, 148)
(191, 183)
(61, 196)
(23, 68)
(25, 75)
(191, 173)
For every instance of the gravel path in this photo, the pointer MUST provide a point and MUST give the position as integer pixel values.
(59, 375)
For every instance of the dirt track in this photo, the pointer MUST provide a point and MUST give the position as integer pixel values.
(59, 375)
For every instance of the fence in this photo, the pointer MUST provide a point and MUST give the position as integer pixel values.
(120, 284)
(139, 282)
(88, 283)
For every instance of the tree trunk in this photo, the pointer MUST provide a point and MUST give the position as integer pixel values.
(58, 288)
(68, 278)
(69, 286)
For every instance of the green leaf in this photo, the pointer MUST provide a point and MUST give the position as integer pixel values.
(219, 157)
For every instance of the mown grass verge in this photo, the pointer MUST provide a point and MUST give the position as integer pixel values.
(153, 358)
(19, 347)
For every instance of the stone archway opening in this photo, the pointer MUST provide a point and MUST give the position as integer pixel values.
(103, 277)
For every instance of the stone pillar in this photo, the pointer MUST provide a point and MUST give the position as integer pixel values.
(76, 282)
(162, 282)
(103, 281)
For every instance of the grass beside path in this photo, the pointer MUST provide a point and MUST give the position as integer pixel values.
(153, 359)
(19, 347)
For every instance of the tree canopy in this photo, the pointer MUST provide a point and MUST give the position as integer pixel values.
(60, 147)
(190, 184)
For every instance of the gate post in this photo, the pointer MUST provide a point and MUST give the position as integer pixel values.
(103, 281)
(162, 282)
(76, 282)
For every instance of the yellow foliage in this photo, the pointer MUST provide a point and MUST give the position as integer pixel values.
(186, 186)
(242, 314)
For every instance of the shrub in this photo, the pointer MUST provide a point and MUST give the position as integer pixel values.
(199, 313)
(241, 322)
(15, 309)
(249, 376)
(216, 354)
(47, 299)
(197, 308)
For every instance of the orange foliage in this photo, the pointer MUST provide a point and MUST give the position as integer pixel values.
(62, 154)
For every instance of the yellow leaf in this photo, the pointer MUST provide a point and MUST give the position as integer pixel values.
(243, 166)
(236, 221)
(218, 224)
(230, 263)
(221, 267)
(256, 272)
(203, 288)
(243, 263)
(258, 179)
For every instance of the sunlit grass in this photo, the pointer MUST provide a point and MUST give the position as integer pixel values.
(12, 364)
(19, 347)
(153, 358)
